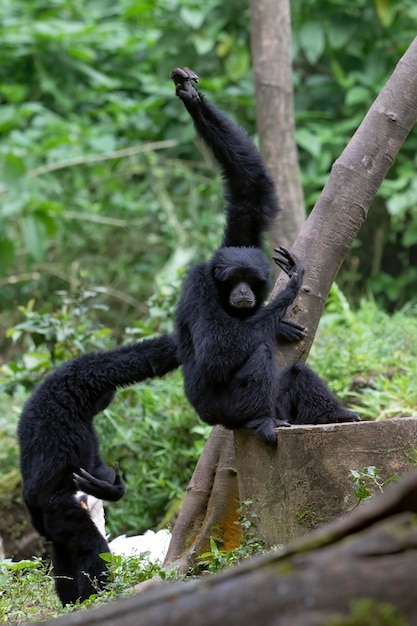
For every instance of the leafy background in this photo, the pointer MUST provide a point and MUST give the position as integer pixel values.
(82, 82)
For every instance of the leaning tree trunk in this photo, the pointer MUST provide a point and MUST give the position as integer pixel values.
(270, 23)
(343, 205)
(328, 233)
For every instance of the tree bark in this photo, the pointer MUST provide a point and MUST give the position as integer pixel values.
(343, 205)
(210, 505)
(270, 24)
(368, 555)
(304, 482)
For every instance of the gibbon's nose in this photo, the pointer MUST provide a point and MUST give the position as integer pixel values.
(242, 296)
(244, 292)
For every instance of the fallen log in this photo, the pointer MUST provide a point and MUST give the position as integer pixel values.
(362, 565)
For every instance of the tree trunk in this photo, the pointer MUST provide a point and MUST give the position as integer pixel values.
(343, 205)
(363, 566)
(270, 24)
(304, 482)
(210, 504)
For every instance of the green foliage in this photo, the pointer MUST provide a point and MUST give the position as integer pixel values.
(96, 153)
(84, 94)
(26, 592)
(343, 55)
(367, 482)
(47, 338)
(217, 559)
(128, 571)
(368, 612)
(27, 588)
(368, 356)
(157, 438)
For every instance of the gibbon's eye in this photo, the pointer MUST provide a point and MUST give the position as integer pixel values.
(217, 273)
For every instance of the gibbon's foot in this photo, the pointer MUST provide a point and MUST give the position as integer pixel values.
(99, 488)
(345, 415)
(184, 88)
(291, 331)
(265, 429)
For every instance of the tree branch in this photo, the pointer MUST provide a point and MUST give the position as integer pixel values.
(343, 205)
(270, 25)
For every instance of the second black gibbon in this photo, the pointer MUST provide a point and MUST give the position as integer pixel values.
(227, 335)
(59, 454)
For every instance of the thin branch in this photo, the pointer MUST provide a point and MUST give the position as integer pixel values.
(103, 156)
(95, 158)
(97, 219)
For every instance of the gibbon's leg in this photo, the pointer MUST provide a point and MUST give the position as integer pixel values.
(304, 398)
(77, 546)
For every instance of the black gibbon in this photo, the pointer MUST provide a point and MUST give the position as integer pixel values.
(59, 454)
(227, 335)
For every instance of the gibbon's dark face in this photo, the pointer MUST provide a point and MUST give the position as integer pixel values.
(242, 296)
(241, 276)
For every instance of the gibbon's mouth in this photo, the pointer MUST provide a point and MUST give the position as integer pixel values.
(243, 303)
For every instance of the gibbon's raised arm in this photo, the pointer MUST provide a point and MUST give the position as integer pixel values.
(250, 194)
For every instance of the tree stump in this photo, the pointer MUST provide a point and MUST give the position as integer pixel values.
(304, 481)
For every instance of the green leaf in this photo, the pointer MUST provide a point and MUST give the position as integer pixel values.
(9, 117)
(36, 361)
(357, 95)
(309, 142)
(34, 235)
(340, 34)
(203, 43)
(410, 235)
(312, 41)
(12, 169)
(237, 63)
(386, 11)
(192, 17)
(6, 254)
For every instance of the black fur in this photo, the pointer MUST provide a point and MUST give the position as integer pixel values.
(227, 337)
(59, 453)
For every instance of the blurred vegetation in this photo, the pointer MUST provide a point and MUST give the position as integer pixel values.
(106, 196)
(368, 356)
(99, 168)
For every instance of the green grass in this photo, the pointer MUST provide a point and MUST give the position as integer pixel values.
(27, 592)
(368, 357)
